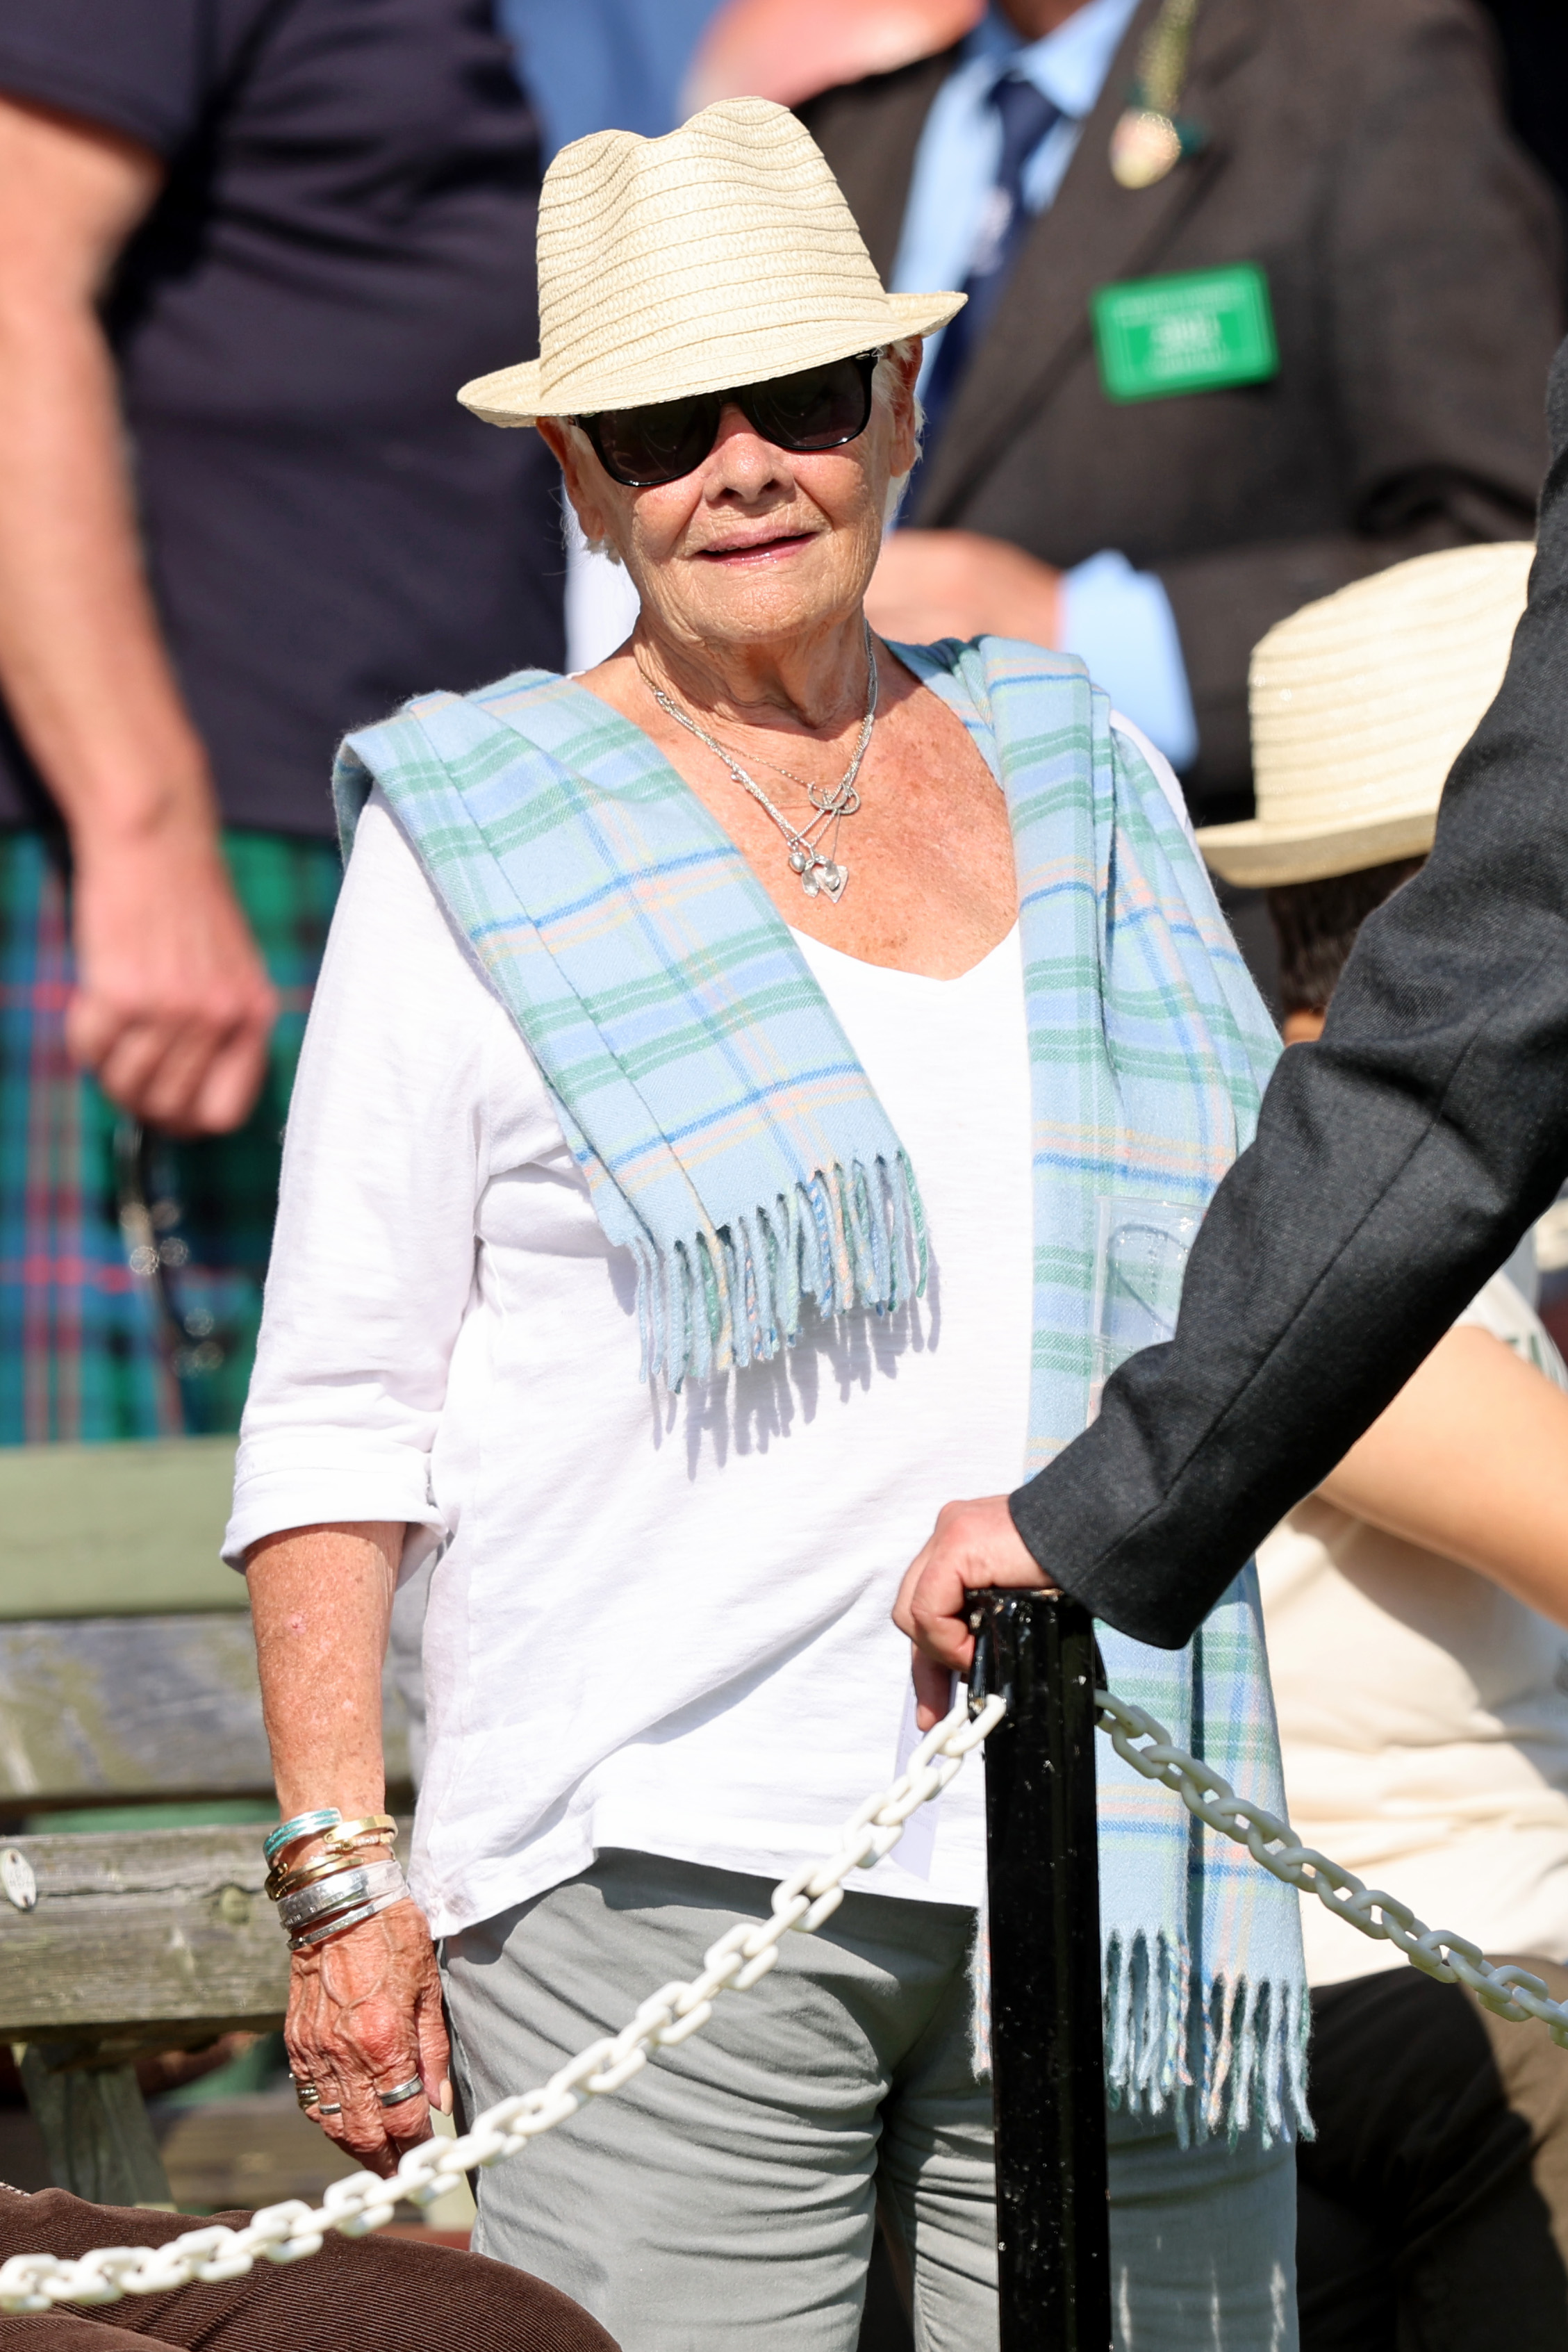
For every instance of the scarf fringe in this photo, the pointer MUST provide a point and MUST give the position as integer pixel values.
(733, 1295)
(1232, 2057)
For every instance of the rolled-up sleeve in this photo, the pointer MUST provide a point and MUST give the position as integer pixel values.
(388, 1149)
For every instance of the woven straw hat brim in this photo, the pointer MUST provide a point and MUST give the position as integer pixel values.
(1361, 703)
(1256, 859)
(514, 395)
(722, 255)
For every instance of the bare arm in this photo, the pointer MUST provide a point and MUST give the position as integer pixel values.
(1471, 1460)
(173, 1008)
(364, 2010)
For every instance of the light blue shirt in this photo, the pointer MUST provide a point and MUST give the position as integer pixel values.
(1119, 620)
(604, 65)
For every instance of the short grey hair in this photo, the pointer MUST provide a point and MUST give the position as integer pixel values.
(882, 384)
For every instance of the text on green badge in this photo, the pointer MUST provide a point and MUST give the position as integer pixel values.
(1193, 332)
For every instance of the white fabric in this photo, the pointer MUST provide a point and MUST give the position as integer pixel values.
(1423, 1721)
(656, 1623)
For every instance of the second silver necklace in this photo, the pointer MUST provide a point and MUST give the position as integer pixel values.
(812, 848)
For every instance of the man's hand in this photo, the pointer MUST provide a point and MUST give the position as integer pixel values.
(958, 583)
(173, 1008)
(974, 1545)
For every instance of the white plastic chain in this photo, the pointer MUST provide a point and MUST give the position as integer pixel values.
(364, 2201)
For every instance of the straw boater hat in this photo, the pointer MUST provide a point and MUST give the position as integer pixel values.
(722, 255)
(1361, 704)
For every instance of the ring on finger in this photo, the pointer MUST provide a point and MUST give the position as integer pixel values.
(334, 2109)
(305, 2094)
(402, 2091)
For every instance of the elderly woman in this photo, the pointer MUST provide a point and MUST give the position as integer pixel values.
(727, 1069)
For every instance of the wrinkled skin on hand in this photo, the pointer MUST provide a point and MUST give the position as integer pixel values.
(364, 2013)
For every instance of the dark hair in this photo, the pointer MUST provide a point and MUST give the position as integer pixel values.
(1316, 923)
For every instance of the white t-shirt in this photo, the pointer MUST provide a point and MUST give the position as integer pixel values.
(1423, 1721)
(656, 1622)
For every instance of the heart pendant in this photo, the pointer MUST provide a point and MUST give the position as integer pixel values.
(833, 878)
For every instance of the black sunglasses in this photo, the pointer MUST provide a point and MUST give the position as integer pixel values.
(820, 408)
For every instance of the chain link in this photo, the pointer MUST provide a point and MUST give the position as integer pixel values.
(741, 1958)
(1507, 1991)
(364, 2201)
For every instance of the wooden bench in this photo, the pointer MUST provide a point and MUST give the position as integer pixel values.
(128, 1680)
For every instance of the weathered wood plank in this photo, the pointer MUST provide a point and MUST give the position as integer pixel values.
(143, 1939)
(96, 2129)
(96, 1709)
(116, 1530)
(111, 1709)
(149, 1935)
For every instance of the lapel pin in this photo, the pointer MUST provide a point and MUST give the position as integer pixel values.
(1149, 141)
(1144, 147)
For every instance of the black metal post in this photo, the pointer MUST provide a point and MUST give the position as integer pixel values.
(1047, 2040)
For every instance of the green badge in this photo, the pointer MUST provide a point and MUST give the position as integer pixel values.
(1191, 332)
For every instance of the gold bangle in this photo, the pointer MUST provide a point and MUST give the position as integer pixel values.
(342, 1831)
(343, 1837)
(280, 1883)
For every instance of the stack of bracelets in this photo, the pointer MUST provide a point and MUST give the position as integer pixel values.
(354, 1875)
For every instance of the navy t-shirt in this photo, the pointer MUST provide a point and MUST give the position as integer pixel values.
(346, 235)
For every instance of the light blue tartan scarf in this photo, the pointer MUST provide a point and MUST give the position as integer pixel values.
(732, 1142)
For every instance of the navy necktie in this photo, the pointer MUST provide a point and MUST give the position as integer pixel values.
(1027, 114)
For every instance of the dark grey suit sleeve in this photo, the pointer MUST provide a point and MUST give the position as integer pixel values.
(1396, 1165)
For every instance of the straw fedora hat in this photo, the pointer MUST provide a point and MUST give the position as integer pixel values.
(724, 253)
(1361, 704)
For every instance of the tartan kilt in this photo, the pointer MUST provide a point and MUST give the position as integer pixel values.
(131, 1266)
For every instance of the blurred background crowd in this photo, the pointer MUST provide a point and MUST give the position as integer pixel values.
(247, 255)
(248, 249)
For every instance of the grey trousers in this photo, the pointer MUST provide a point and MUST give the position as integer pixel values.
(732, 2184)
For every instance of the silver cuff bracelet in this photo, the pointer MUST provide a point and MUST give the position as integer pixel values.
(343, 1921)
(340, 1893)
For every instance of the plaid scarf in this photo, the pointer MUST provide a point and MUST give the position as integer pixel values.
(731, 1140)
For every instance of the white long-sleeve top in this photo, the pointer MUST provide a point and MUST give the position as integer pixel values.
(658, 1622)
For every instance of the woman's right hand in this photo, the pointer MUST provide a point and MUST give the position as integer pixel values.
(364, 2015)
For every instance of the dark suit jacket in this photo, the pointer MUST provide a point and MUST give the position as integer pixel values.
(1396, 1164)
(1358, 151)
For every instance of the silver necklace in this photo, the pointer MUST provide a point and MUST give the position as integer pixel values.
(813, 847)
